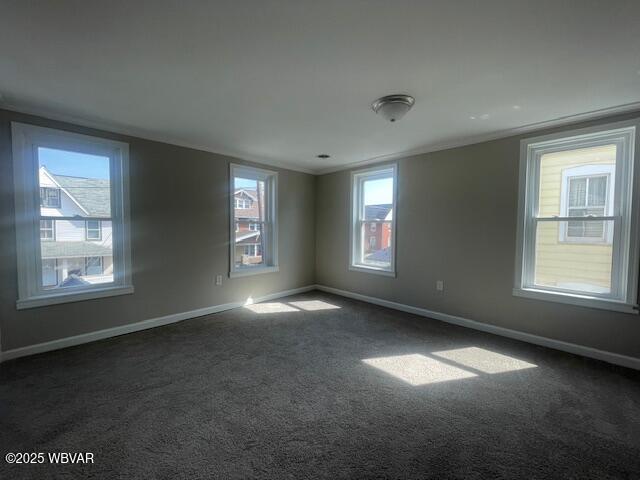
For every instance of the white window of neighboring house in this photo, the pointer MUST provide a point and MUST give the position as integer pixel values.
(49, 197)
(91, 174)
(252, 250)
(94, 230)
(578, 217)
(242, 203)
(373, 227)
(47, 231)
(262, 185)
(373, 194)
(93, 265)
(586, 191)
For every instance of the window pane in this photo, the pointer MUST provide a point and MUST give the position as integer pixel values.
(571, 178)
(249, 247)
(597, 191)
(378, 199)
(376, 251)
(249, 202)
(583, 266)
(75, 185)
(577, 192)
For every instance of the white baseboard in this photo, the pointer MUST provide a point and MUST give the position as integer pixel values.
(610, 357)
(135, 327)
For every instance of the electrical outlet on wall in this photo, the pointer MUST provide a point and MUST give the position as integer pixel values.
(440, 285)
(218, 279)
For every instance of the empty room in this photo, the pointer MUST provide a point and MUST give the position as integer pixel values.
(303, 239)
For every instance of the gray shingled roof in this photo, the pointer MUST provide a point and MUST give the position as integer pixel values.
(74, 249)
(377, 212)
(92, 193)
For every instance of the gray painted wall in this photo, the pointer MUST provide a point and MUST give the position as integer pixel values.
(180, 235)
(456, 221)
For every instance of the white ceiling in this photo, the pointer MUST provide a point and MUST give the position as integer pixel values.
(282, 81)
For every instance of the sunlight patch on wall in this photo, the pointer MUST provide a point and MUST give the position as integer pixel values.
(274, 307)
(417, 369)
(484, 360)
(312, 305)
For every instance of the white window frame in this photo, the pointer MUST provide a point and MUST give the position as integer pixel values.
(59, 198)
(624, 213)
(356, 239)
(87, 229)
(242, 203)
(52, 229)
(86, 265)
(26, 139)
(270, 223)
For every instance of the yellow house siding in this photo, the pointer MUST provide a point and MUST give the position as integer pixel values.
(559, 261)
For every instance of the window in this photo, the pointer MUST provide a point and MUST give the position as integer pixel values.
(61, 252)
(49, 197)
(253, 249)
(242, 203)
(373, 194)
(93, 265)
(47, 230)
(577, 224)
(94, 230)
(586, 190)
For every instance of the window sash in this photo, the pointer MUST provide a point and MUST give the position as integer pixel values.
(625, 256)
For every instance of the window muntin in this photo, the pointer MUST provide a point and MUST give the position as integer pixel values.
(577, 236)
(373, 223)
(57, 232)
(47, 230)
(254, 234)
(94, 229)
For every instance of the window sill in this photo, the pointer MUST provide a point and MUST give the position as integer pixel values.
(57, 298)
(574, 299)
(374, 270)
(253, 271)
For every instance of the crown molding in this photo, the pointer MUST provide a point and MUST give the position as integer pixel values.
(510, 132)
(143, 134)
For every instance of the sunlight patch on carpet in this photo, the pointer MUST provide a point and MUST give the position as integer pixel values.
(272, 307)
(416, 369)
(313, 305)
(483, 360)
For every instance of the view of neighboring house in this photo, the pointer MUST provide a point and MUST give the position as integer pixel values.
(576, 254)
(377, 233)
(247, 209)
(75, 230)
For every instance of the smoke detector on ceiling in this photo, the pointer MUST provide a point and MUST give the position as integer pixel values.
(393, 107)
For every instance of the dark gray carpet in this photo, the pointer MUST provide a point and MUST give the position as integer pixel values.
(287, 395)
